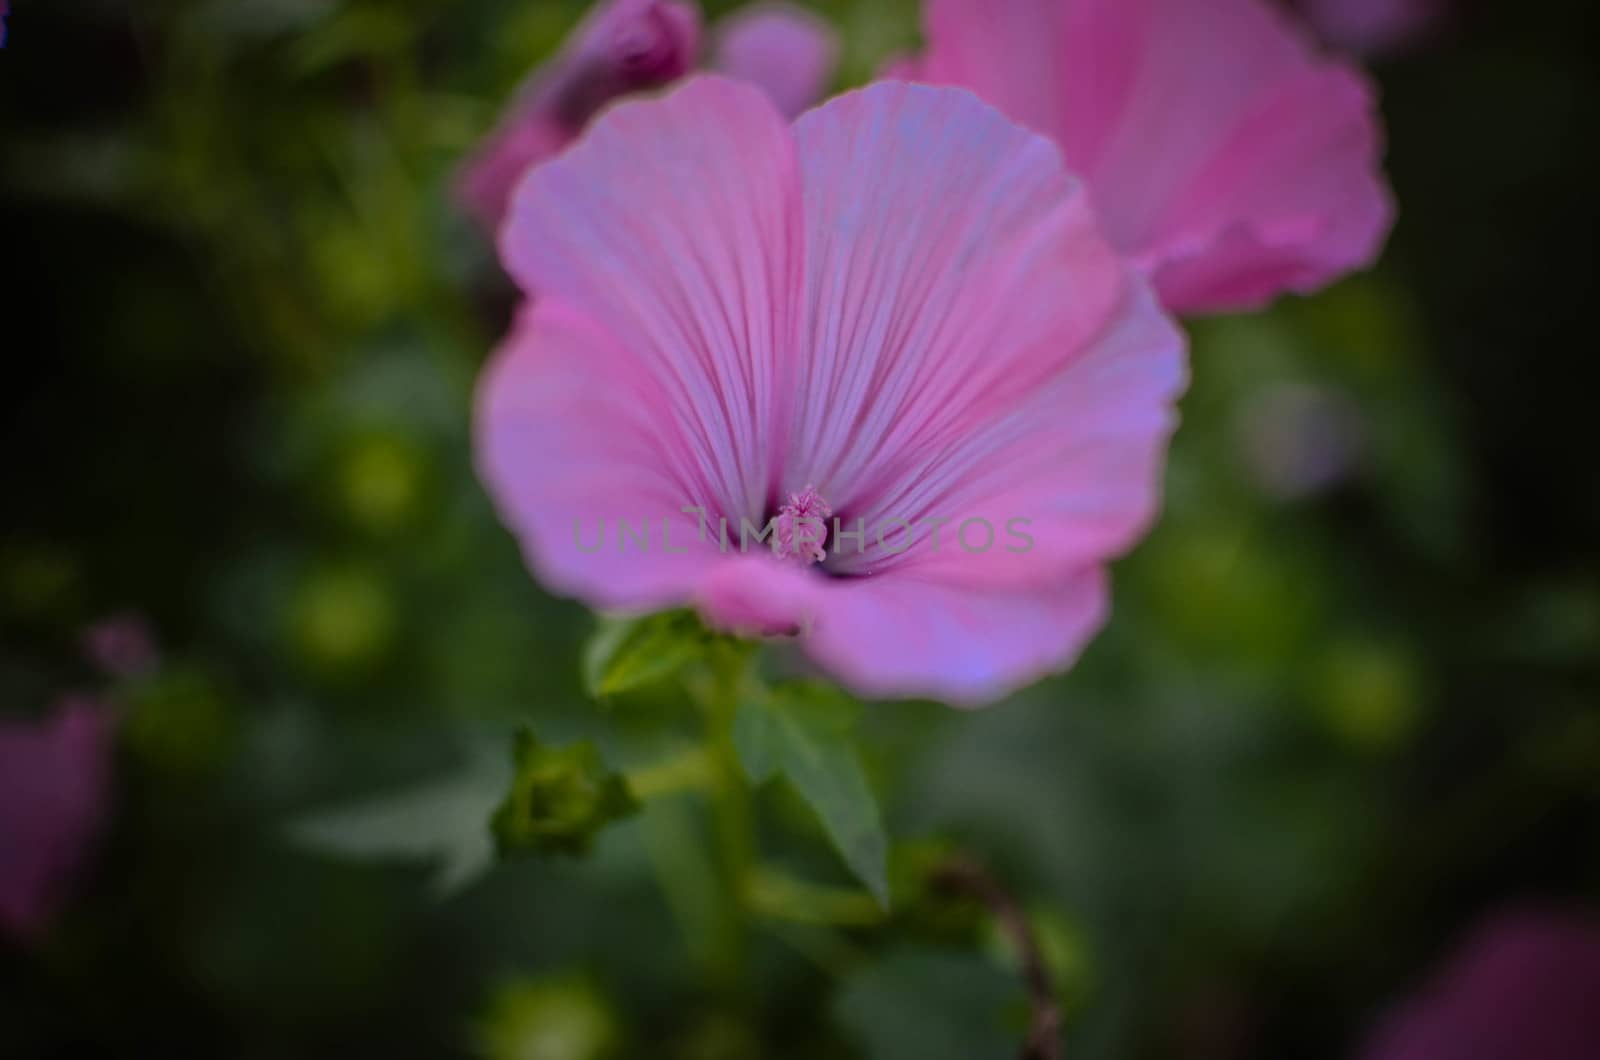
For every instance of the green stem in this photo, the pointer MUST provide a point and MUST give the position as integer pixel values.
(718, 693)
(690, 770)
(781, 897)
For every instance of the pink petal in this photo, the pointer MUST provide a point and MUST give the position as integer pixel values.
(580, 460)
(1225, 157)
(53, 778)
(944, 374)
(786, 50)
(905, 636)
(675, 224)
(948, 373)
(622, 47)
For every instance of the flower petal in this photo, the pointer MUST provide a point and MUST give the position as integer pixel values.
(1069, 478)
(585, 467)
(905, 636)
(674, 224)
(951, 267)
(1224, 156)
(788, 51)
(901, 636)
(974, 347)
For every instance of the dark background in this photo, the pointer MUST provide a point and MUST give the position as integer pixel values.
(1329, 729)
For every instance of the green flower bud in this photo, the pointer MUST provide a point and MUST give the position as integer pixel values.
(565, 1019)
(560, 798)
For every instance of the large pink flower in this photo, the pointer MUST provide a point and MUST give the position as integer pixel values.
(628, 46)
(1225, 158)
(898, 311)
(52, 795)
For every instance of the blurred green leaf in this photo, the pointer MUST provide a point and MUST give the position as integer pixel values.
(927, 1004)
(629, 653)
(806, 731)
(444, 822)
(560, 798)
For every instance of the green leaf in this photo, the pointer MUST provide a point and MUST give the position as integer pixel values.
(916, 1003)
(444, 823)
(755, 738)
(629, 653)
(560, 798)
(807, 732)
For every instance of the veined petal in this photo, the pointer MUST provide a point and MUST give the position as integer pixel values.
(1070, 477)
(675, 224)
(582, 465)
(952, 267)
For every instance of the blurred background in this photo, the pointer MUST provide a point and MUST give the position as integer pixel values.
(1347, 710)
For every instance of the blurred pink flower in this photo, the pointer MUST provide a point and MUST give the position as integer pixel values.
(1225, 158)
(53, 779)
(1526, 986)
(121, 646)
(629, 46)
(898, 310)
(1373, 27)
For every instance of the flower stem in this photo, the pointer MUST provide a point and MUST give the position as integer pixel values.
(689, 770)
(718, 692)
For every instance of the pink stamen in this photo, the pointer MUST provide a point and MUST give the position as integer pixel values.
(802, 528)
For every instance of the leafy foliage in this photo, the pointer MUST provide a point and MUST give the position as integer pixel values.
(630, 653)
(807, 733)
(444, 823)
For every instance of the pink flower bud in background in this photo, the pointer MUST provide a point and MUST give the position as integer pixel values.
(630, 46)
(1299, 439)
(53, 788)
(1373, 28)
(121, 646)
(1525, 986)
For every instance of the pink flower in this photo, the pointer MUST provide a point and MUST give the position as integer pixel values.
(1225, 158)
(53, 778)
(898, 311)
(1526, 986)
(122, 646)
(630, 46)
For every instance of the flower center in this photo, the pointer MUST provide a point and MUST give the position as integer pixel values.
(802, 527)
